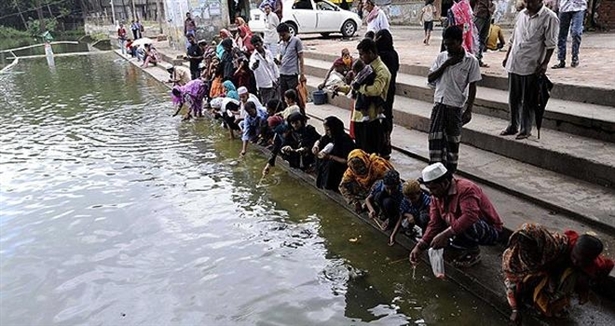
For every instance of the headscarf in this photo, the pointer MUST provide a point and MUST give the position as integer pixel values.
(230, 89)
(375, 165)
(336, 126)
(340, 62)
(226, 33)
(346, 61)
(274, 121)
(246, 38)
(176, 99)
(242, 23)
(219, 48)
(373, 14)
(384, 40)
(531, 249)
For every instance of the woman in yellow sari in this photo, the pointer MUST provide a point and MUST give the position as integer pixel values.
(362, 172)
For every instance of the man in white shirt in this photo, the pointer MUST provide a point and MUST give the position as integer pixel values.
(271, 37)
(571, 14)
(532, 44)
(376, 18)
(265, 70)
(454, 73)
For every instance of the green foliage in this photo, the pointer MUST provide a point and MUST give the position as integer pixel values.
(34, 25)
(11, 33)
(99, 36)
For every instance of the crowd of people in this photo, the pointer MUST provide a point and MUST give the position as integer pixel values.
(255, 87)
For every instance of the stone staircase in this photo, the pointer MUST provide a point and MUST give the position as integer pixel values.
(522, 192)
(570, 170)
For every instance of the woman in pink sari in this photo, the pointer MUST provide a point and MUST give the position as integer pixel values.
(463, 16)
(191, 94)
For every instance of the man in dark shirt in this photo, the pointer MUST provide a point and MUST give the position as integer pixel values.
(482, 21)
(195, 56)
(228, 69)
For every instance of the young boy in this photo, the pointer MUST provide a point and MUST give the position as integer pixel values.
(290, 97)
(365, 75)
(384, 199)
(454, 73)
(252, 124)
(428, 13)
(414, 210)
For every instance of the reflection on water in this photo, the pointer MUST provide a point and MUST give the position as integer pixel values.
(114, 212)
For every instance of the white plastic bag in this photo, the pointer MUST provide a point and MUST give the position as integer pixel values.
(436, 258)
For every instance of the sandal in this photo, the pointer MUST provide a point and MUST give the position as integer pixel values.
(508, 132)
(561, 64)
(483, 65)
(468, 259)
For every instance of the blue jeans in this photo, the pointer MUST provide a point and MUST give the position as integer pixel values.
(573, 21)
(122, 44)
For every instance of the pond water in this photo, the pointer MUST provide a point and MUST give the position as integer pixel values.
(113, 212)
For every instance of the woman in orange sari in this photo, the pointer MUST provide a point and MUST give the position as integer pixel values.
(363, 171)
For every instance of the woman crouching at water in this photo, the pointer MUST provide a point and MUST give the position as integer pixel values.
(192, 95)
(546, 268)
(331, 151)
(151, 56)
(362, 172)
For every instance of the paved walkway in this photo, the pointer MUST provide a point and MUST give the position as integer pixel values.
(597, 55)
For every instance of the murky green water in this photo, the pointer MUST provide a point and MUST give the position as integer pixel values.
(112, 212)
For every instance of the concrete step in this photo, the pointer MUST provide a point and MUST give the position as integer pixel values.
(582, 158)
(588, 120)
(585, 205)
(481, 281)
(568, 92)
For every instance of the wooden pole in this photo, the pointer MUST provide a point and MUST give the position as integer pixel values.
(41, 17)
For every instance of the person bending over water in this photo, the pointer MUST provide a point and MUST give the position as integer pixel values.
(362, 172)
(546, 268)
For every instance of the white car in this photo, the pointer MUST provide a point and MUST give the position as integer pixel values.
(311, 16)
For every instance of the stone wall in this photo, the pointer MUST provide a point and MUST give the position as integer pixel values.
(210, 17)
(407, 12)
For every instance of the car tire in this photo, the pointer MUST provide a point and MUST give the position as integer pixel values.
(349, 28)
(293, 29)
